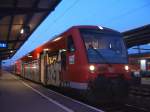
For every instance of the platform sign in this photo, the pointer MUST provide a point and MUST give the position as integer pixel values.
(3, 45)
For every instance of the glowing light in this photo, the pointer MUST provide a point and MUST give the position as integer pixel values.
(22, 31)
(110, 46)
(58, 38)
(38, 55)
(63, 50)
(46, 49)
(100, 27)
(3, 45)
(126, 67)
(143, 64)
(92, 67)
(30, 56)
(34, 67)
(11, 51)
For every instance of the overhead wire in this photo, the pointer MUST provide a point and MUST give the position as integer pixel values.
(128, 12)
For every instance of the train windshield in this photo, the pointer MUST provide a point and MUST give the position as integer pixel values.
(104, 47)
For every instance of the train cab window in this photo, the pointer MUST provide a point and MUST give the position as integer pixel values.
(70, 44)
(106, 47)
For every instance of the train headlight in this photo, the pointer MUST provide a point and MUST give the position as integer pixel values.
(126, 67)
(92, 68)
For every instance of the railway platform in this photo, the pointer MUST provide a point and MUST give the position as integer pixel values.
(17, 95)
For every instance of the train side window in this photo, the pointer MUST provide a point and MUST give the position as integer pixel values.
(70, 44)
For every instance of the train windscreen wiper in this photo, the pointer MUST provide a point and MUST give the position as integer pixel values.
(99, 54)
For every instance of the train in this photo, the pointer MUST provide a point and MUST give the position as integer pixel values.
(85, 58)
(140, 68)
(139, 64)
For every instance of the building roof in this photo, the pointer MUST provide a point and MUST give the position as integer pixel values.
(137, 36)
(21, 14)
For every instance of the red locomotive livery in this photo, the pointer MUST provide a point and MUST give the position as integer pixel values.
(85, 58)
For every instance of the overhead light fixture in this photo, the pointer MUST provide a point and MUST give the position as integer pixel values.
(25, 30)
(11, 51)
(22, 31)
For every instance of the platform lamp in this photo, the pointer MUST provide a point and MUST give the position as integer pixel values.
(25, 30)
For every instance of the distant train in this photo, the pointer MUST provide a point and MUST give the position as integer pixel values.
(139, 65)
(140, 68)
(89, 59)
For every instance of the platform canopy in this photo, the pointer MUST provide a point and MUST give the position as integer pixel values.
(18, 19)
(137, 36)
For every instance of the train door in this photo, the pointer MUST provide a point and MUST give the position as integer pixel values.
(63, 74)
(56, 68)
(70, 68)
(42, 68)
(53, 69)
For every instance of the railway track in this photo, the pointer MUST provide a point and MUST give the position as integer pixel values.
(124, 108)
(132, 108)
(139, 95)
(112, 107)
(138, 101)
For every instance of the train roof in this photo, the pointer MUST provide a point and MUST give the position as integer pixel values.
(82, 27)
(103, 29)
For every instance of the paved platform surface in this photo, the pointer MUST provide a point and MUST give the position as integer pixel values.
(17, 95)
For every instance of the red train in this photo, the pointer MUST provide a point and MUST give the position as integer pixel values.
(140, 64)
(90, 59)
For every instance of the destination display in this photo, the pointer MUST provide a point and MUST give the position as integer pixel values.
(3, 45)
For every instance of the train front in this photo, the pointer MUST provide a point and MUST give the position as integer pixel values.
(108, 64)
